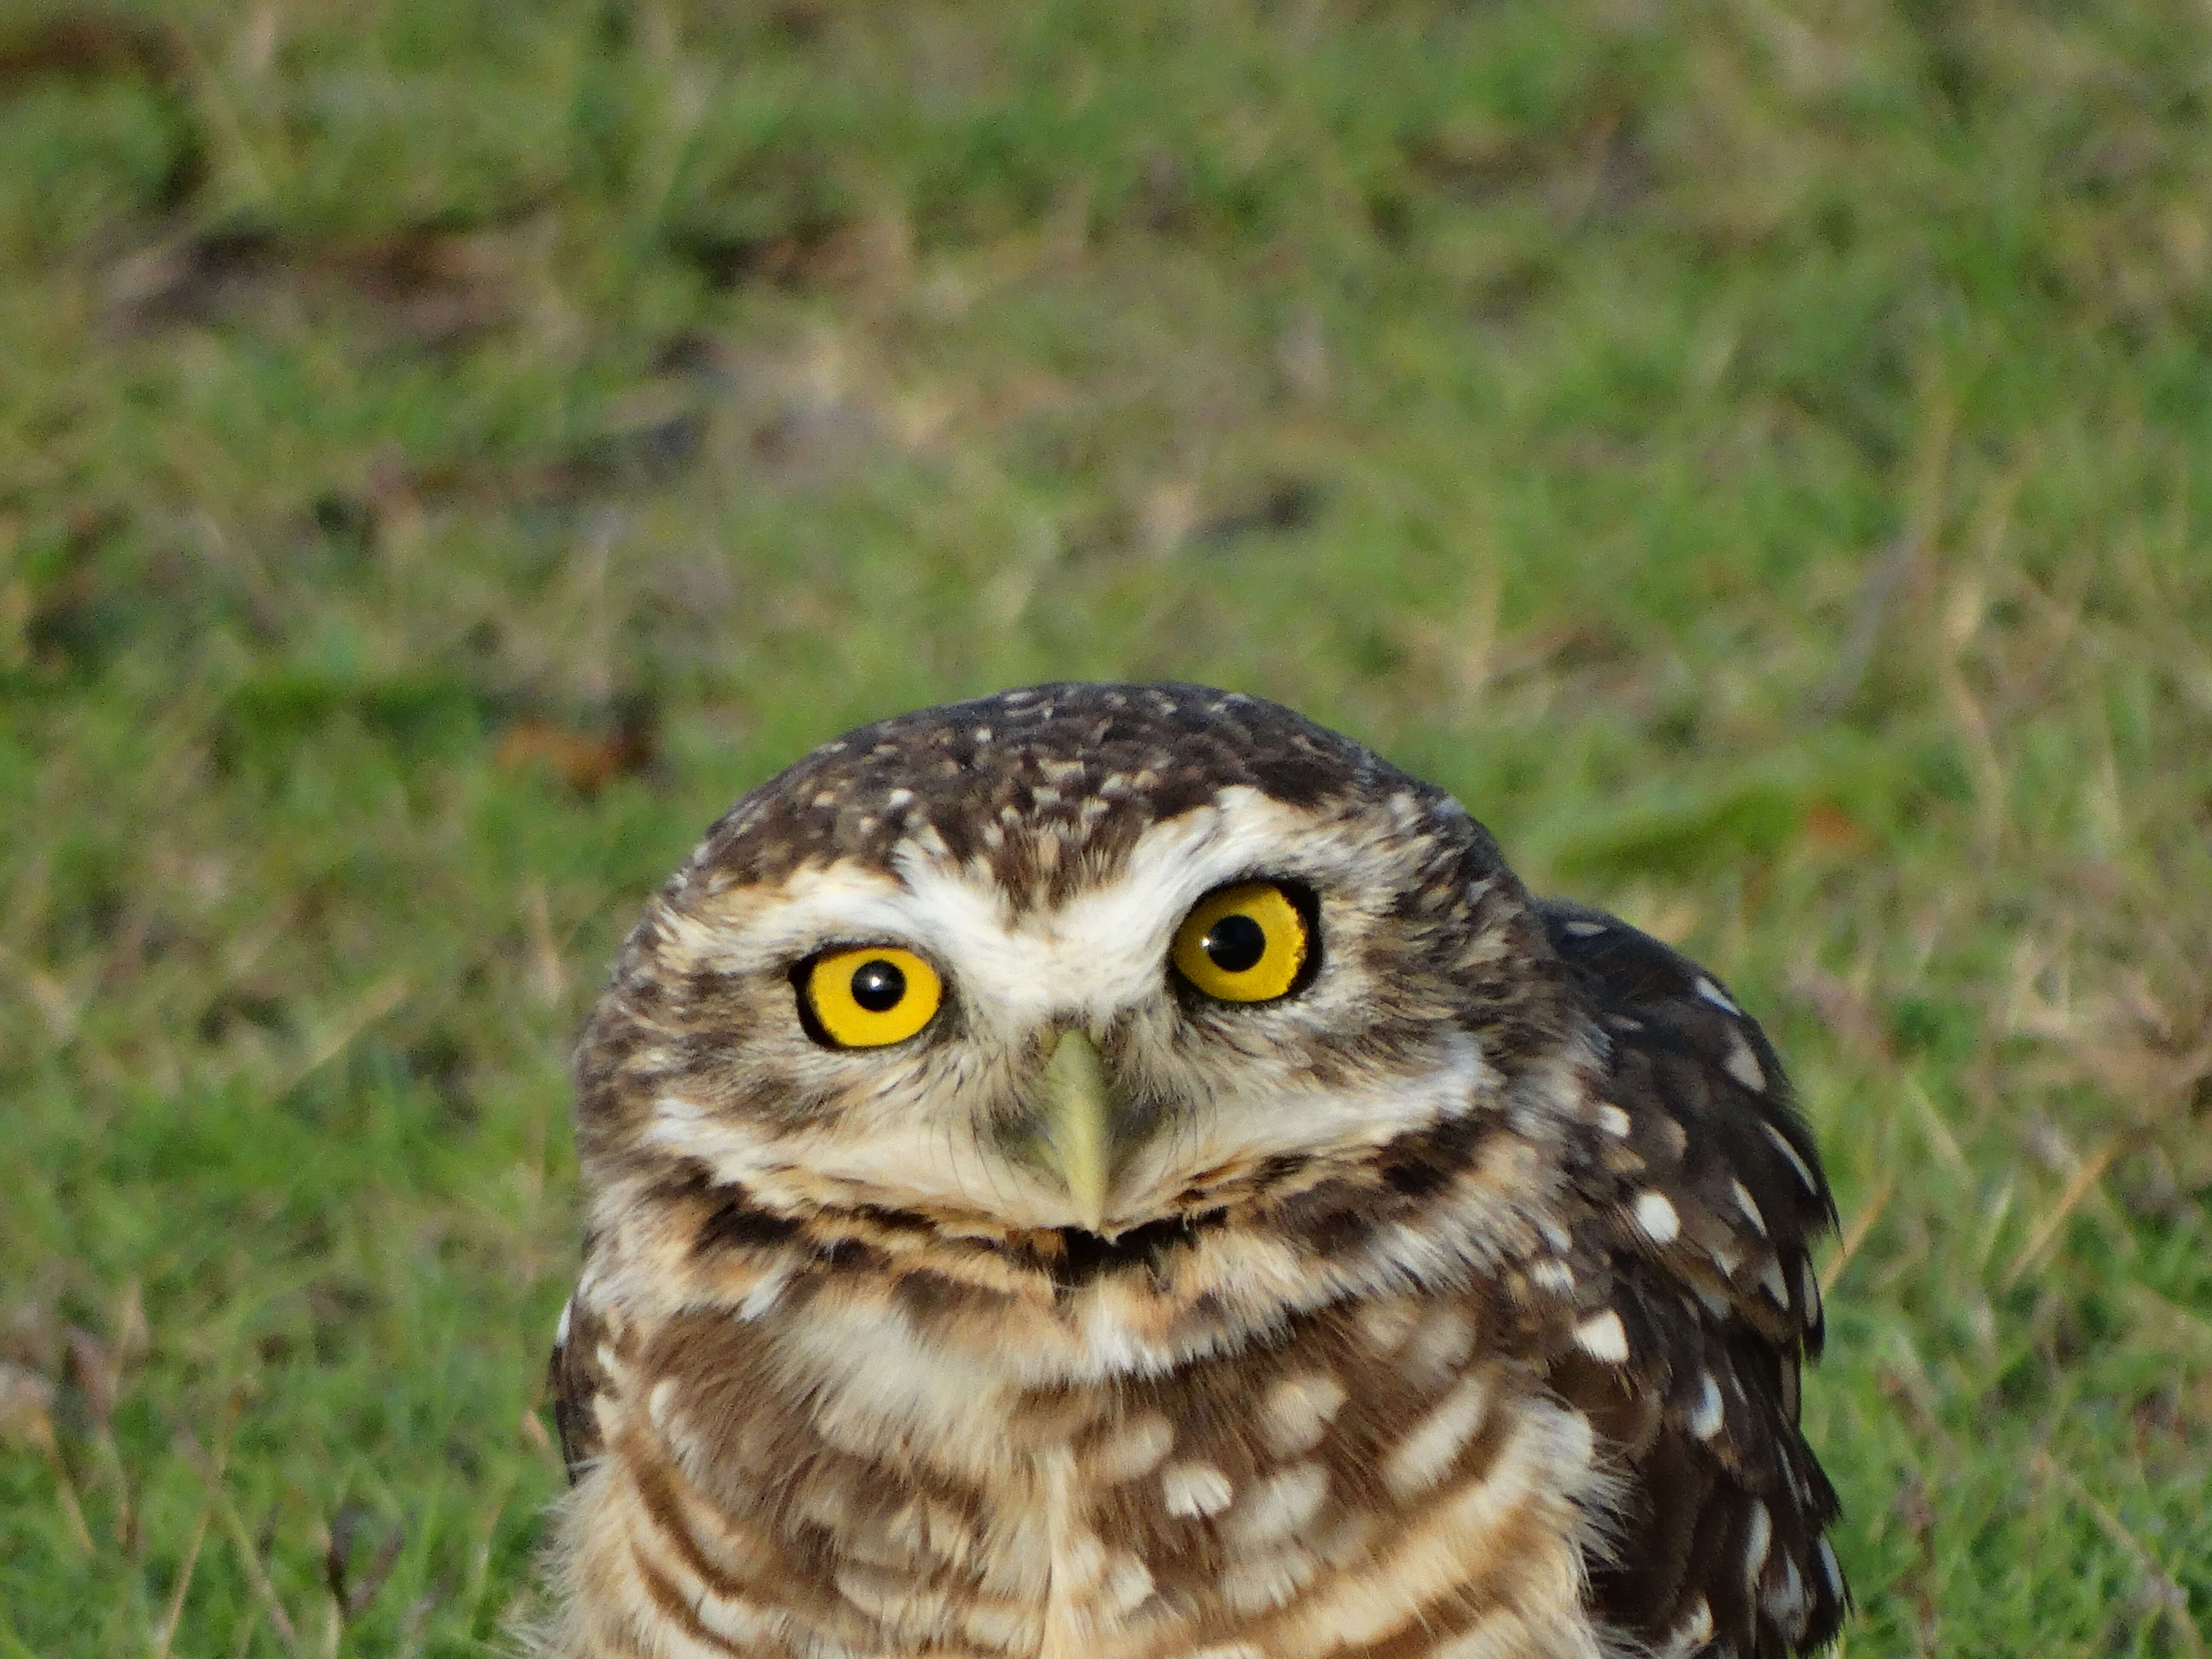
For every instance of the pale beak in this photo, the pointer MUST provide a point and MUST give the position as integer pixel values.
(1075, 1126)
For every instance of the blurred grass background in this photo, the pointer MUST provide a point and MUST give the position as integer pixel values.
(1756, 452)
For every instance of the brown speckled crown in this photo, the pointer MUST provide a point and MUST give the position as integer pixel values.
(1041, 758)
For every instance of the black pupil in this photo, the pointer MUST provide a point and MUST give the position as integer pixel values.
(878, 986)
(1235, 944)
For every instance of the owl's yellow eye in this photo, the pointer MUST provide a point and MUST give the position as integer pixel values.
(866, 998)
(1244, 944)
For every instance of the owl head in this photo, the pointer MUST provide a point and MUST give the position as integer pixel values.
(1159, 989)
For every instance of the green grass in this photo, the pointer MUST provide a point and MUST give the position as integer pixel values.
(1758, 455)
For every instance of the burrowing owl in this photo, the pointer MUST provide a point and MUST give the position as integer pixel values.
(1117, 1172)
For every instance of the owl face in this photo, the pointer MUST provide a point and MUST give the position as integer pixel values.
(1245, 978)
(1093, 961)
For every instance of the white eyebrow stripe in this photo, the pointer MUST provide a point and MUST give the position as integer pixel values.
(1098, 952)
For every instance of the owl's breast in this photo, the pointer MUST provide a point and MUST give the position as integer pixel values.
(1378, 1482)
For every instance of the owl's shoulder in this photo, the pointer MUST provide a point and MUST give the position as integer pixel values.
(1711, 1197)
(1722, 1174)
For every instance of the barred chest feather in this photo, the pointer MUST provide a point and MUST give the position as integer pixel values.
(1377, 1480)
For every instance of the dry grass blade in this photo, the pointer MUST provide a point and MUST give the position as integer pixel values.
(2077, 1188)
(549, 980)
(95, 1370)
(2176, 1326)
(534, 1435)
(249, 1557)
(26, 1419)
(1893, 570)
(2160, 1588)
(1855, 1233)
(381, 1000)
(165, 1630)
(352, 1596)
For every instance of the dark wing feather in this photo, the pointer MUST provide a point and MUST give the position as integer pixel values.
(1716, 1190)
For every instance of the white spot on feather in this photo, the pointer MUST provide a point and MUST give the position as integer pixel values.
(1785, 1603)
(1708, 1414)
(1424, 1455)
(1759, 1536)
(1749, 1205)
(1615, 1122)
(1604, 1338)
(1297, 1411)
(1743, 1066)
(1797, 1163)
(1128, 1581)
(1268, 1580)
(1695, 1630)
(1829, 1570)
(1770, 1279)
(1656, 1218)
(1386, 1324)
(764, 1296)
(1280, 1505)
(1586, 929)
(1195, 1489)
(1439, 1348)
(1713, 993)
(1137, 1449)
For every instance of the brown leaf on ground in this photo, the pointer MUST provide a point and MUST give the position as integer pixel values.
(90, 45)
(428, 285)
(1827, 826)
(588, 760)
